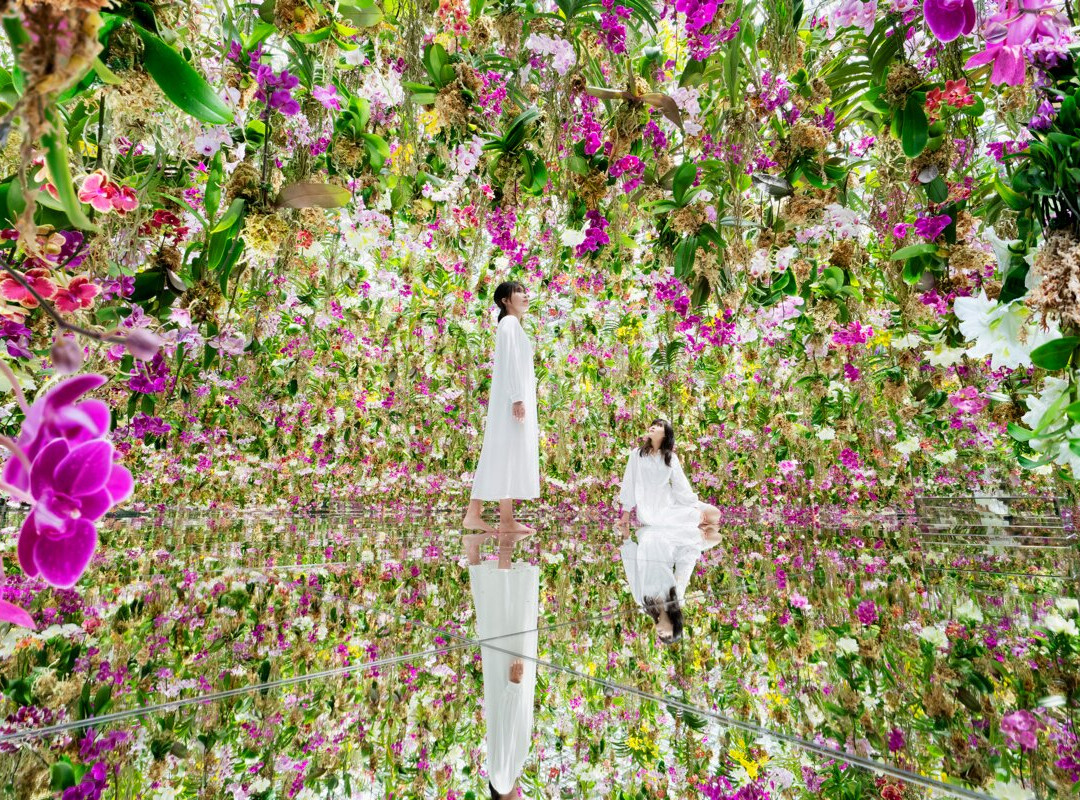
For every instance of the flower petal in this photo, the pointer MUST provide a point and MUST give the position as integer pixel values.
(62, 561)
(94, 506)
(43, 472)
(942, 19)
(9, 612)
(28, 538)
(86, 468)
(121, 485)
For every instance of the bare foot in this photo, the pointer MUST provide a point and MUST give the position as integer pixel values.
(476, 523)
(513, 526)
(472, 543)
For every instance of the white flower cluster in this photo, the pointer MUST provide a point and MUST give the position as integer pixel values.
(1005, 332)
(561, 51)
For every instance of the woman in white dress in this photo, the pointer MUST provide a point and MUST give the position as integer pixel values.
(509, 466)
(654, 483)
(507, 600)
(658, 568)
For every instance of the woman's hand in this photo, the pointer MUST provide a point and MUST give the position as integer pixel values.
(624, 525)
(519, 410)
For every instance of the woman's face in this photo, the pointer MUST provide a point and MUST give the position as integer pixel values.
(664, 628)
(517, 303)
(655, 433)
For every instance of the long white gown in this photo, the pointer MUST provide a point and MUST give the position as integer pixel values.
(662, 494)
(509, 466)
(662, 558)
(507, 603)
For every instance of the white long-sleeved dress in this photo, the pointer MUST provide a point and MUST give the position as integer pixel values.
(507, 604)
(661, 494)
(662, 558)
(509, 466)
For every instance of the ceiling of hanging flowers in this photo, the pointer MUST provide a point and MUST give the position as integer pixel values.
(838, 245)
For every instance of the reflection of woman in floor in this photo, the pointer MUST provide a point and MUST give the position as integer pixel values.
(509, 466)
(507, 600)
(654, 484)
(658, 568)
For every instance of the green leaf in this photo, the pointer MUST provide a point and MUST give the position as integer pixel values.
(1055, 355)
(310, 195)
(913, 270)
(1073, 411)
(180, 82)
(56, 159)
(915, 133)
(684, 257)
(536, 175)
(215, 175)
(62, 776)
(1012, 198)
(229, 219)
(378, 151)
(684, 178)
(1020, 433)
(106, 75)
(937, 190)
(911, 251)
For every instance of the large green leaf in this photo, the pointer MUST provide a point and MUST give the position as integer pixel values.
(1055, 355)
(684, 178)
(180, 82)
(915, 128)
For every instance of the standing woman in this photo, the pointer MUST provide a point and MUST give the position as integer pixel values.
(509, 467)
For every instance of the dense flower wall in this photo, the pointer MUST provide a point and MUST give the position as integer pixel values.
(837, 246)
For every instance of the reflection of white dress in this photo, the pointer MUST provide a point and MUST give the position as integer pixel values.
(509, 466)
(662, 558)
(661, 494)
(507, 603)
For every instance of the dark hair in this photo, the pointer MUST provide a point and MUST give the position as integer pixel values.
(494, 794)
(666, 446)
(504, 291)
(653, 607)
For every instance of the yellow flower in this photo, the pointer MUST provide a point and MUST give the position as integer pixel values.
(880, 338)
(430, 121)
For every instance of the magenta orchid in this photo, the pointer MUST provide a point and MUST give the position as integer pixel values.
(1020, 27)
(64, 467)
(949, 19)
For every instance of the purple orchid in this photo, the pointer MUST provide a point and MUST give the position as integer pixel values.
(948, 19)
(72, 487)
(65, 469)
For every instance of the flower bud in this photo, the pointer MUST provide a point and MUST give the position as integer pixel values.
(66, 355)
(143, 344)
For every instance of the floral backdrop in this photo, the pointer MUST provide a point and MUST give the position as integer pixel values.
(836, 246)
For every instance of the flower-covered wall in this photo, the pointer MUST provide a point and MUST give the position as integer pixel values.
(837, 245)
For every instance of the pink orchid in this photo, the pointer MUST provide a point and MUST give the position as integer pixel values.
(97, 191)
(1018, 26)
(78, 295)
(39, 279)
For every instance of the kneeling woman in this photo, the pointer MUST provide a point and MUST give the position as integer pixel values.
(654, 484)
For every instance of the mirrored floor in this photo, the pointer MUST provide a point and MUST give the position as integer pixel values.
(344, 656)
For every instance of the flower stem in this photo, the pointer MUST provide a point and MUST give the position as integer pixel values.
(19, 396)
(17, 494)
(9, 443)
